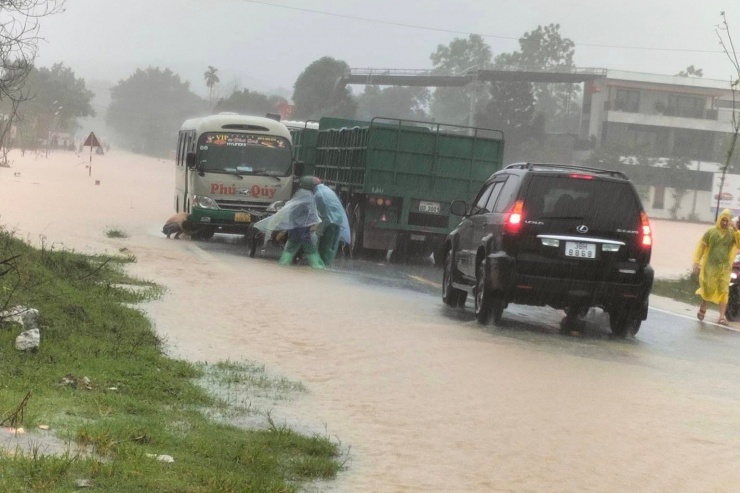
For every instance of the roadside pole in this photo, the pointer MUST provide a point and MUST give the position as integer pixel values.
(91, 141)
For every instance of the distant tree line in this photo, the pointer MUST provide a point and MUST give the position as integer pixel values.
(147, 108)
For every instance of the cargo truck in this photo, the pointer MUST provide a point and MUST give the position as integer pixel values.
(397, 178)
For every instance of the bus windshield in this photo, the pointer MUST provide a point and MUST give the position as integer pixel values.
(244, 154)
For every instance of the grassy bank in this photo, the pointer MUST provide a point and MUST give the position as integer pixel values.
(100, 380)
(681, 289)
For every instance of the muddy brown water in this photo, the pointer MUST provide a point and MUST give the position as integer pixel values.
(422, 402)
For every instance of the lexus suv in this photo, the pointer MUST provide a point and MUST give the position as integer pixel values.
(568, 237)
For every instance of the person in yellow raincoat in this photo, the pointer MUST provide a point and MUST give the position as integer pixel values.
(713, 259)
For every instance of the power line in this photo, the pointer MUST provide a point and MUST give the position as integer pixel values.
(450, 31)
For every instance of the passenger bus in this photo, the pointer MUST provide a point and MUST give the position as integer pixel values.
(229, 169)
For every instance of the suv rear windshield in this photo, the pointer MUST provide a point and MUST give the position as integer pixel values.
(560, 197)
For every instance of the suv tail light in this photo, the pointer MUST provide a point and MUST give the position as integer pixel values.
(515, 217)
(646, 232)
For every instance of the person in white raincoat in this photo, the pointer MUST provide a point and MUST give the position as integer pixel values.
(298, 217)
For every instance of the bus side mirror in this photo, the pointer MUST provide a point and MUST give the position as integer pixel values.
(299, 168)
(190, 160)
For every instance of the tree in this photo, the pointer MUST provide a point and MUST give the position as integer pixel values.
(511, 109)
(211, 80)
(148, 108)
(545, 49)
(453, 104)
(19, 28)
(316, 92)
(691, 71)
(728, 45)
(56, 99)
(250, 103)
(393, 102)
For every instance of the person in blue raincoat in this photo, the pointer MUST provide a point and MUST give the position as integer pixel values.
(298, 217)
(334, 225)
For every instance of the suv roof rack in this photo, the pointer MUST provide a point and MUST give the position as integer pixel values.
(574, 167)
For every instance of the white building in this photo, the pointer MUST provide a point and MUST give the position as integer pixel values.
(670, 116)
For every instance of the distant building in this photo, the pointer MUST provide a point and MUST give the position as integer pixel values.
(674, 115)
(670, 116)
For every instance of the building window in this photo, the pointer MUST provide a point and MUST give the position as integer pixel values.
(685, 106)
(627, 100)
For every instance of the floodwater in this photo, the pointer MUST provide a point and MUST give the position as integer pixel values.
(420, 397)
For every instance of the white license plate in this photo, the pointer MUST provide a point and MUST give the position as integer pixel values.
(580, 249)
(432, 207)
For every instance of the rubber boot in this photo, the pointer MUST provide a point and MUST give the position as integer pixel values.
(288, 253)
(314, 260)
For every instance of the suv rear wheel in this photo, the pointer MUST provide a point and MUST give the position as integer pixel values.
(624, 322)
(450, 295)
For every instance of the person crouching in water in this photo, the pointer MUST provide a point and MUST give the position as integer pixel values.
(334, 225)
(298, 217)
(713, 260)
(177, 225)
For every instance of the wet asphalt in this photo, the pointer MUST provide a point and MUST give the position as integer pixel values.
(666, 340)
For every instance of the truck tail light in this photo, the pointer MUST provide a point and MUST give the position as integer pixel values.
(380, 201)
(646, 232)
(515, 217)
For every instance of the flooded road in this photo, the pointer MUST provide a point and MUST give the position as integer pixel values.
(420, 396)
(428, 400)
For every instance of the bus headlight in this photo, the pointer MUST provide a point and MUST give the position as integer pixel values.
(275, 206)
(204, 202)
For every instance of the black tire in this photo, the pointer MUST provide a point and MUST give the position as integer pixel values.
(624, 322)
(483, 296)
(450, 295)
(733, 304)
(254, 240)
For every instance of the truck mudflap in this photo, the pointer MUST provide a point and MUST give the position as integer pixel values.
(379, 238)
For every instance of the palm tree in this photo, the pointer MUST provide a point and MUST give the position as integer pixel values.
(211, 80)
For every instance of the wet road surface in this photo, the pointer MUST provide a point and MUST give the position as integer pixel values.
(429, 400)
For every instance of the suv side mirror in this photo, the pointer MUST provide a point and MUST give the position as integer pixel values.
(459, 208)
(190, 160)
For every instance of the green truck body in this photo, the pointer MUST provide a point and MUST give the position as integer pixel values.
(397, 178)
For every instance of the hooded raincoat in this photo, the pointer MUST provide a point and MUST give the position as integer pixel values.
(298, 212)
(296, 217)
(715, 253)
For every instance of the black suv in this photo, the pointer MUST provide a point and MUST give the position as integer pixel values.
(569, 237)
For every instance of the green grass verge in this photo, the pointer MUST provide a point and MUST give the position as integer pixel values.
(116, 233)
(139, 402)
(681, 289)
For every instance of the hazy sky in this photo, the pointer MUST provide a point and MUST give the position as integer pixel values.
(265, 45)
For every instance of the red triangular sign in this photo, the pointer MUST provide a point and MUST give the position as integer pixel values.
(91, 141)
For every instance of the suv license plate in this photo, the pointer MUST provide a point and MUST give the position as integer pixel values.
(432, 207)
(242, 217)
(580, 249)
